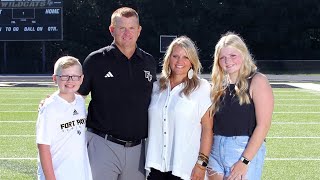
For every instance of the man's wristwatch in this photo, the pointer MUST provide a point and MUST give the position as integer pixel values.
(245, 160)
(202, 163)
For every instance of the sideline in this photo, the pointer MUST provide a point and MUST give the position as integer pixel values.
(310, 86)
(41, 78)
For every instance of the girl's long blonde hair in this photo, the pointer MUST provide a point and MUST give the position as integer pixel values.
(220, 79)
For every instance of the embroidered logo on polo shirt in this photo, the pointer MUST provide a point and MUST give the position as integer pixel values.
(75, 112)
(108, 75)
(148, 75)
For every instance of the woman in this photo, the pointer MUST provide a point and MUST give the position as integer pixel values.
(242, 109)
(180, 128)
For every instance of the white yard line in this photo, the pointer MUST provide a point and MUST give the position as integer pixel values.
(24, 94)
(293, 112)
(293, 95)
(30, 91)
(289, 137)
(34, 104)
(292, 159)
(298, 99)
(281, 90)
(18, 104)
(267, 159)
(16, 111)
(268, 137)
(18, 121)
(23, 98)
(17, 135)
(273, 112)
(18, 158)
(298, 105)
(296, 123)
(276, 122)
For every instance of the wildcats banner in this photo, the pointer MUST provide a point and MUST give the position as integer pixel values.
(26, 3)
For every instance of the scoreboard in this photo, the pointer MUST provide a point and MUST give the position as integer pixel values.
(31, 20)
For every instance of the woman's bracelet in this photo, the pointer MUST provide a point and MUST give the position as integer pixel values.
(203, 157)
(202, 160)
(200, 166)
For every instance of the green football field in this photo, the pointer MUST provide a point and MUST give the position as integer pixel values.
(293, 143)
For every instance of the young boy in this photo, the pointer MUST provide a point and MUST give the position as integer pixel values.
(61, 127)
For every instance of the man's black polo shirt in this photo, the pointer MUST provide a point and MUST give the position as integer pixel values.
(120, 91)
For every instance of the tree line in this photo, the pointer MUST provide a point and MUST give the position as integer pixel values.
(274, 30)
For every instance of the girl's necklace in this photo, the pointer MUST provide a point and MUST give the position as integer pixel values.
(230, 92)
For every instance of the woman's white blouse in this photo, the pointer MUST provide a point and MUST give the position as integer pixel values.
(175, 128)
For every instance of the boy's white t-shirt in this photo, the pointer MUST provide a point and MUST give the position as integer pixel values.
(62, 125)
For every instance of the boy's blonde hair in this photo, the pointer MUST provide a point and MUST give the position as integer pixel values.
(65, 62)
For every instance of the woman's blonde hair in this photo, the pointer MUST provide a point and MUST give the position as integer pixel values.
(192, 53)
(220, 79)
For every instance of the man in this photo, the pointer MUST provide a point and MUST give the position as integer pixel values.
(120, 78)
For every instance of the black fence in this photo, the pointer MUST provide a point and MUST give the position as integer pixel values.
(289, 66)
(278, 66)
